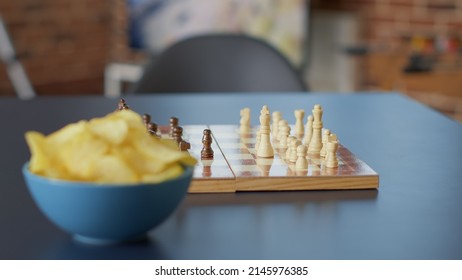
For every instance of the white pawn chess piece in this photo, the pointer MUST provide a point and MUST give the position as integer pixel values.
(265, 149)
(332, 147)
(277, 116)
(290, 139)
(258, 139)
(302, 162)
(293, 153)
(245, 121)
(316, 139)
(281, 124)
(285, 132)
(308, 130)
(299, 129)
(325, 135)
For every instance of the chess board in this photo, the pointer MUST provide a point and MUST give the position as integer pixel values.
(235, 166)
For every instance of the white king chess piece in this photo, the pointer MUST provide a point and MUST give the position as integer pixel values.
(265, 149)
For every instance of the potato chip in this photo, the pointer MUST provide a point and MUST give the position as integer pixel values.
(112, 149)
(112, 130)
(112, 169)
(39, 161)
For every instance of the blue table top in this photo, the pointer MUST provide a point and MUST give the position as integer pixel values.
(415, 214)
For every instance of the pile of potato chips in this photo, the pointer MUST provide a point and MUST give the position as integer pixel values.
(112, 149)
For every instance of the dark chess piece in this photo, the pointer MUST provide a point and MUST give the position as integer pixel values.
(146, 119)
(122, 105)
(207, 152)
(173, 124)
(178, 137)
(152, 129)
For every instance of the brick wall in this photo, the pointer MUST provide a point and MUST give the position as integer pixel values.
(389, 21)
(63, 44)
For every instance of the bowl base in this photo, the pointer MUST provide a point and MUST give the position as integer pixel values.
(104, 242)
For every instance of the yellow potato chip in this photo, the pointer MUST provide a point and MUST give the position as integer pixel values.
(112, 169)
(169, 173)
(39, 161)
(112, 130)
(112, 149)
(78, 154)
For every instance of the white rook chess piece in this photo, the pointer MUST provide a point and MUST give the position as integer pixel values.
(299, 129)
(316, 139)
(265, 149)
(302, 162)
(308, 130)
(325, 135)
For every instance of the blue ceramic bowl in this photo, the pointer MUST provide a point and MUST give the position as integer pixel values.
(106, 213)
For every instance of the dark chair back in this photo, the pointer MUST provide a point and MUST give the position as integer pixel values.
(219, 63)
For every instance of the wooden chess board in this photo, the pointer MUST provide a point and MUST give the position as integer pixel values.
(235, 166)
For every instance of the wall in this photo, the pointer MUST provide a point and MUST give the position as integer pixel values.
(63, 44)
(388, 21)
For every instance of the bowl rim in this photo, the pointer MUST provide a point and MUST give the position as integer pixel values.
(188, 171)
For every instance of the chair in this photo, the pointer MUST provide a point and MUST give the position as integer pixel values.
(219, 63)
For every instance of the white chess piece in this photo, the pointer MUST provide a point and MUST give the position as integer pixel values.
(332, 147)
(308, 130)
(325, 135)
(277, 116)
(290, 139)
(293, 153)
(281, 124)
(245, 120)
(316, 139)
(258, 139)
(265, 149)
(302, 162)
(285, 132)
(299, 129)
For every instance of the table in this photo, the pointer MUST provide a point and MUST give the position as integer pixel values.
(415, 214)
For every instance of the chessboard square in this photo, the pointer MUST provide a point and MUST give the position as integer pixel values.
(213, 162)
(250, 173)
(239, 169)
(240, 162)
(265, 161)
(235, 151)
(231, 157)
(230, 145)
(225, 135)
(249, 140)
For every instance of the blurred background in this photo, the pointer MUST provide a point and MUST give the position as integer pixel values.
(99, 47)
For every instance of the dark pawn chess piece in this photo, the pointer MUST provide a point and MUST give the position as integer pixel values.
(152, 129)
(207, 152)
(173, 124)
(178, 136)
(146, 119)
(122, 105)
